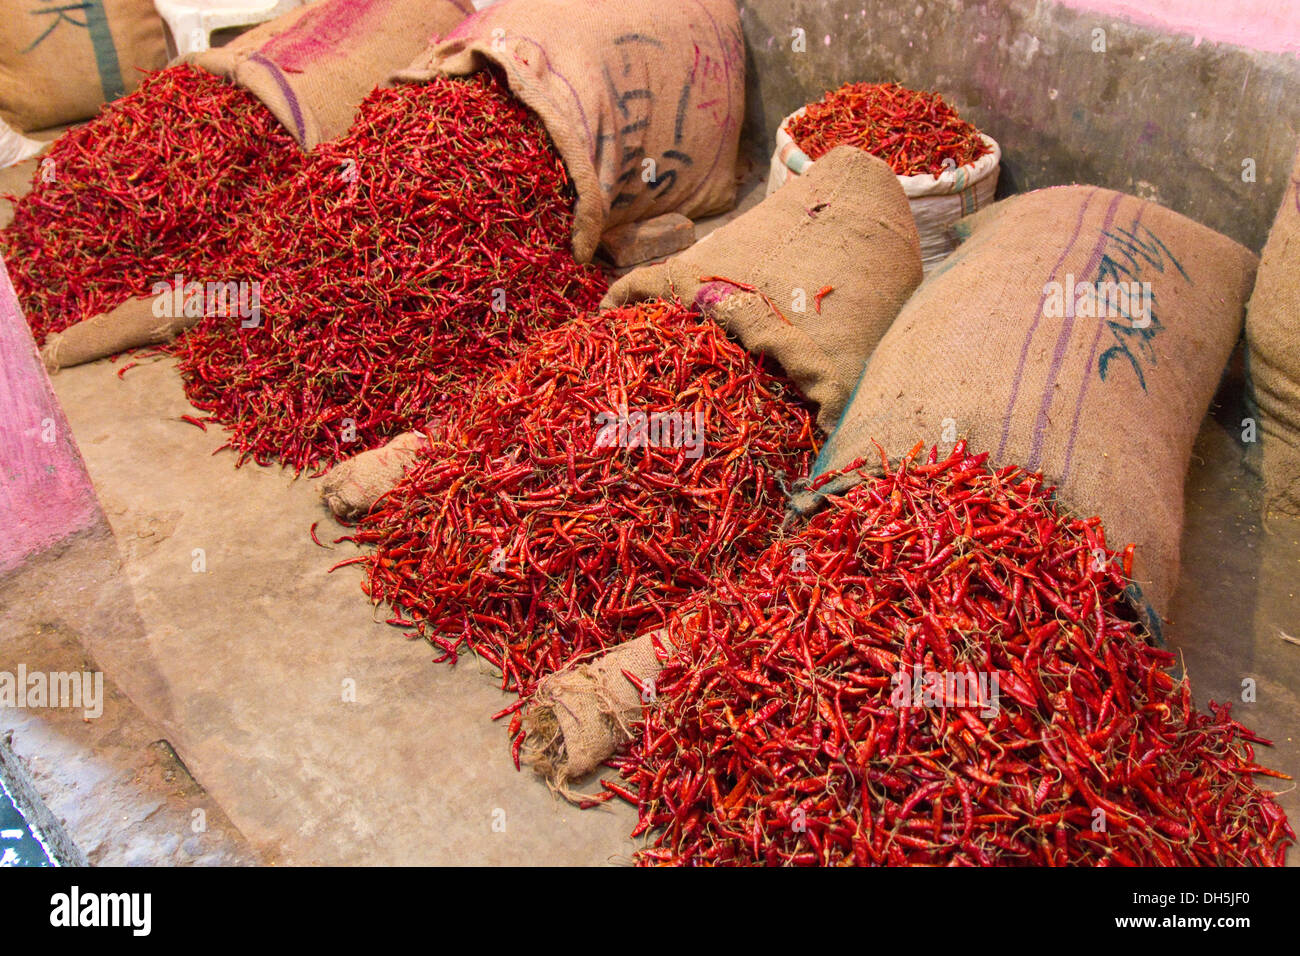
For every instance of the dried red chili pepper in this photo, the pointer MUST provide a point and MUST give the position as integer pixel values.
(155, 185)
(405, 258)
(548, 520)
(824, 755)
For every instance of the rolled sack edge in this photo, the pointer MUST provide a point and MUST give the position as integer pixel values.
(351, 488)
(582, 715)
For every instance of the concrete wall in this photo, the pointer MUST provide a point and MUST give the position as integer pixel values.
(1169, 110)
(45, 493)
(1272, 25)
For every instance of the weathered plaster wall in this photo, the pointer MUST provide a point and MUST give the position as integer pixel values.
(1272, 25)
(1169, 110)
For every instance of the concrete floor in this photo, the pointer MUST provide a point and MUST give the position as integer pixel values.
(109, 790)
(243, 665)
(253, 656)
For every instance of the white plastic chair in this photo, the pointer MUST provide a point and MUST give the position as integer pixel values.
(191, 23)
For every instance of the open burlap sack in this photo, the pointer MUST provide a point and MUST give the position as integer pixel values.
(1273, 356)
(937, 202)
(132, 324)
(1107, 408)
(643, 99)
(60, 61)
(845, 226)
(313, 66)
(581, 715)
(352, 487)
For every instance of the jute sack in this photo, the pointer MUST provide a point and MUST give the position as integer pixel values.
(843, 227)
(132, 324)
(60, 61)
(1106, 408)
(313, 66)
(581, 715)
(17, 181)
(1273, 356)
(352, 487)
(937, 202)
(643, 99)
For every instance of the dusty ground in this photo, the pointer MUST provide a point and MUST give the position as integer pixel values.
(104, 784)
(257, 650)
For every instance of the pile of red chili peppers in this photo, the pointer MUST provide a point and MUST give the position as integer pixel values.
(911, 130)
(403, 260)
(155, 185)
(548, 519)
(796, 721)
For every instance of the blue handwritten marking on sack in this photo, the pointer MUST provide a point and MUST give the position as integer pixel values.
(60, 16)
(1127, 254)
(101, 40)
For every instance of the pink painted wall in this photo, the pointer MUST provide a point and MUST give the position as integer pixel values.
(1269, 25)
(45, 493)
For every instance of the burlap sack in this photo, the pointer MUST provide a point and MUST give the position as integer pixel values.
(581, 715)
(844, 226)
(16, 182)
(643, 99)
(352, 487)
(132, 324)
(313, 66)
(1107, 409)
(60, 61)
(937, 202)
(1273, 357)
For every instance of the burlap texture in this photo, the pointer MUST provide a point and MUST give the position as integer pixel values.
(352, 487)
(845, 225)
(16, 181)
(581, 715)
(1273, 356)
(1108, 412)
(618, 84)
(130, 325)
(313, 66)
(937, 201)
(59, 62)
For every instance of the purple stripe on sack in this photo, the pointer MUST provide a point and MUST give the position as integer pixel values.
(469, 26)
(573, 94)
(1063, 338)
(1029, 336)
(321, 30)
(317, 32)
(287, 90)
(1087, 380)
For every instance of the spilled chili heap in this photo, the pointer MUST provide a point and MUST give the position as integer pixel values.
(938, 668)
